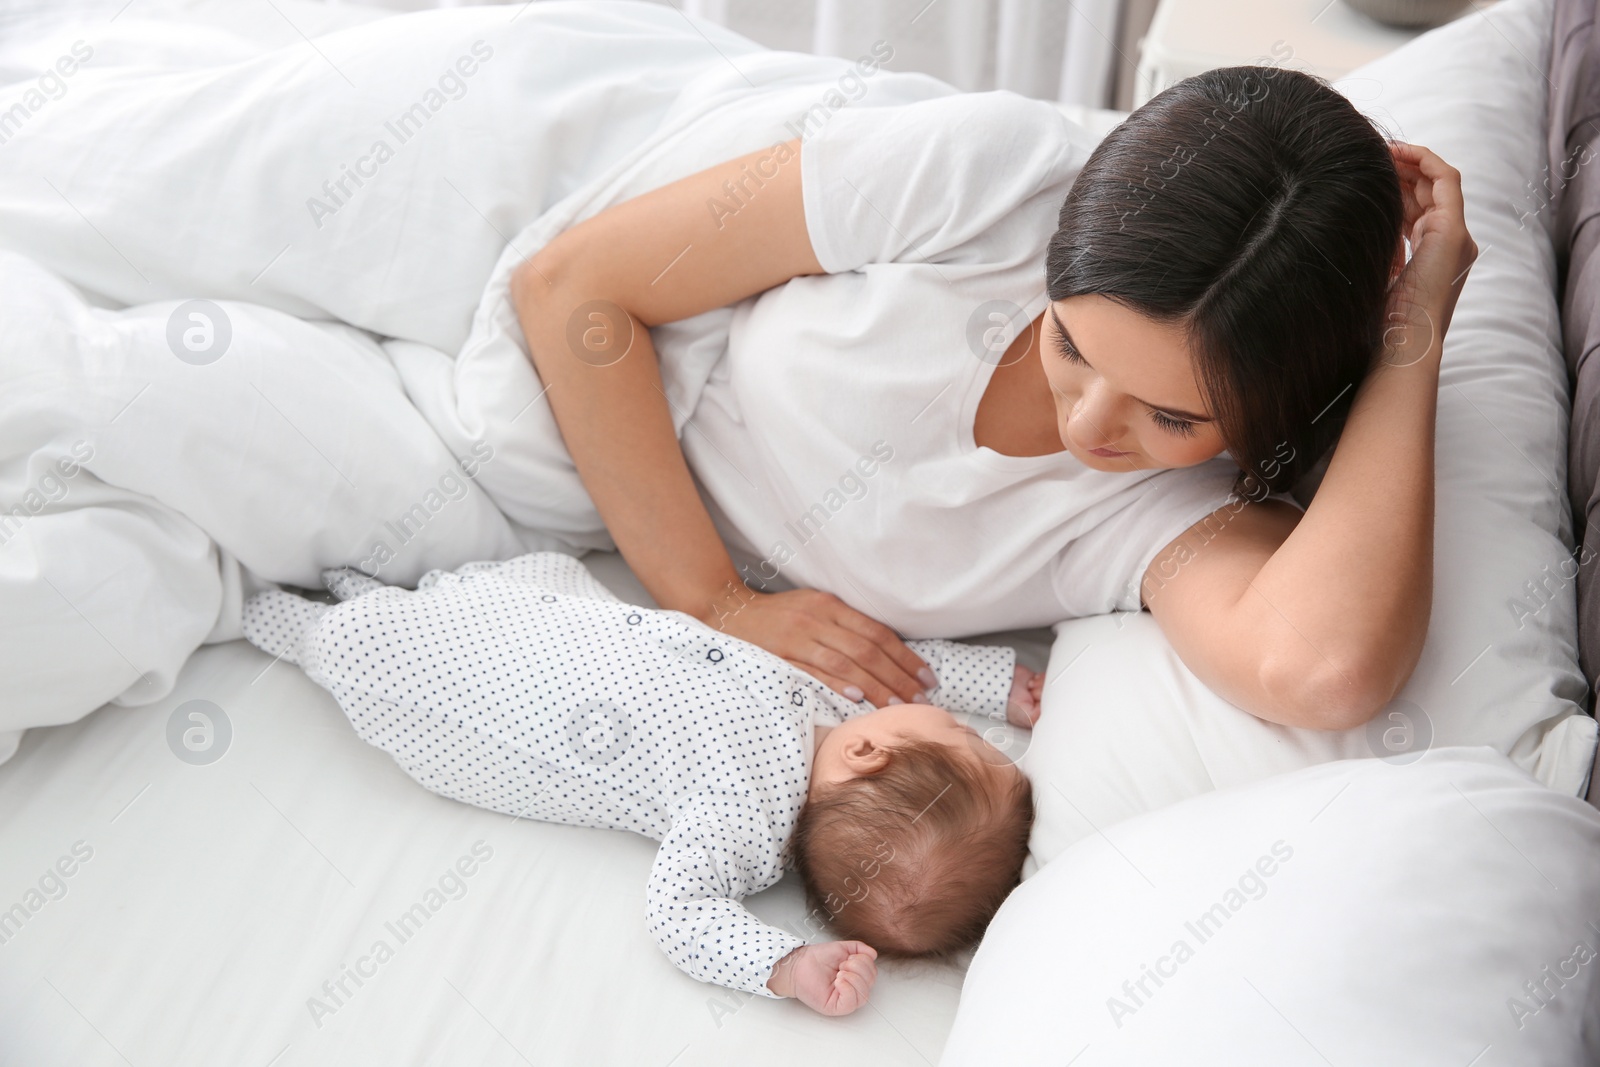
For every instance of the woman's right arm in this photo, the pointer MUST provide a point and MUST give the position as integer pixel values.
(1317, 620)
(585, 301)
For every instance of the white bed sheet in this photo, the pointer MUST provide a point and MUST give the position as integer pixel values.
(219, 898)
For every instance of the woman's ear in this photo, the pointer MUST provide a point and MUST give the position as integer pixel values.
(864, 757)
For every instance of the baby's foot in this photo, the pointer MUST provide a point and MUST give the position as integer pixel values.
(1027, 698)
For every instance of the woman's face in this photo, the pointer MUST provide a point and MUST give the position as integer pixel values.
(1123, 383)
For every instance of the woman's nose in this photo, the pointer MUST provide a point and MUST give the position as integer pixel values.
(1093, 422)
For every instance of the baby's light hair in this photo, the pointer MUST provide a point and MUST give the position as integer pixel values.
(915, 859)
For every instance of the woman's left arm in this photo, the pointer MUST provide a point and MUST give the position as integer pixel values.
(1317, 620)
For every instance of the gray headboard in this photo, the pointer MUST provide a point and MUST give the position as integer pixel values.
(1573, 185)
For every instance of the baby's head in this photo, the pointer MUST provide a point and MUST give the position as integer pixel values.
(914, 831)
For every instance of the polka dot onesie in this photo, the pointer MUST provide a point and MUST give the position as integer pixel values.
(526, 687)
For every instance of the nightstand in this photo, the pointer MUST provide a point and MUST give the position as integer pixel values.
(1324, 37)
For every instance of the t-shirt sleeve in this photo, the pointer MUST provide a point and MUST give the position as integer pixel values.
(717, 852)
(920, 181)
(1101, 570)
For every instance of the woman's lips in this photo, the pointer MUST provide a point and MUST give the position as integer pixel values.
(1109, 453)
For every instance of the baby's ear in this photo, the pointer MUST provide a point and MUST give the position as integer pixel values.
(864, 757)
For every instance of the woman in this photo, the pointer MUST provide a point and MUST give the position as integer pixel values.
(1220, 278)
(879, 405)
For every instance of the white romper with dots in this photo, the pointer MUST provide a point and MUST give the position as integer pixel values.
(526, 687)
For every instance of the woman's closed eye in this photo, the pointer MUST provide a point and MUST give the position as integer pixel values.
(1169, 423)
(1181, 427)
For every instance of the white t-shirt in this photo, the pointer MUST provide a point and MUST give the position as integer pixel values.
(926, 201)
(834, 443)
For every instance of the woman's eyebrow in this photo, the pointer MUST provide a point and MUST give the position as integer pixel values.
(1065, 336)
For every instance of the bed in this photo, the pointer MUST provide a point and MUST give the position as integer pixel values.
(279, 893)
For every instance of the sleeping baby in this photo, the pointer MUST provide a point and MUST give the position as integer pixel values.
(526, 687)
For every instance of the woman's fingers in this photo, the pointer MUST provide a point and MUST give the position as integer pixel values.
(1442, 186)
(844, 675)
(824, 661)
(862, 655)
(855, 655)
(1442, 251)
(1427, 183)
(1431, 189)
(849, 690)
(887, 643)
(1405, 165)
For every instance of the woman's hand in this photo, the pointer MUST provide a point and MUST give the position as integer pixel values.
(834, 977)
(822, 635)
(1422, 296)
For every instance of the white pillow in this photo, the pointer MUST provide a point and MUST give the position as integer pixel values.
(1352, 913)
(1128, 728)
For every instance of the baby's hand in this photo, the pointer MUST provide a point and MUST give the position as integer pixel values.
(1027, 698)
(833, 978)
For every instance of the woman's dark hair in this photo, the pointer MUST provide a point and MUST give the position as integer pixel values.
(1258, 210)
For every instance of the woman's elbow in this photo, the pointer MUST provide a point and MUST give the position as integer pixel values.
(546, 305)
(532, 280)
(1346, 696)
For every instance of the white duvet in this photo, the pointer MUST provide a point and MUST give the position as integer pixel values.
(223, 425)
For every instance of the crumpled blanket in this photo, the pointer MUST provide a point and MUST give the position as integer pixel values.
(254, 318)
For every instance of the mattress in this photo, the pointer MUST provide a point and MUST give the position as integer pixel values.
(271, 890)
